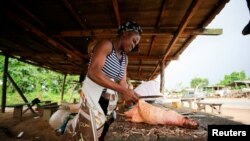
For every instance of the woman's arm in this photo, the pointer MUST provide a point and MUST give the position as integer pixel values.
(95, 73)
(123, 81)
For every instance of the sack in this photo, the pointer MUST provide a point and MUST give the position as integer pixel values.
(58, 117)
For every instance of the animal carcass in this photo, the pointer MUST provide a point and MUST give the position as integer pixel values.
(147, 113)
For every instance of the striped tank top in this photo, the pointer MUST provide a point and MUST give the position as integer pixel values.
(113, 67)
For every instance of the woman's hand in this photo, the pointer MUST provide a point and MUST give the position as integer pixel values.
(129, 95)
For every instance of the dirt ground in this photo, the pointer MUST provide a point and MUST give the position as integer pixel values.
(34, 128)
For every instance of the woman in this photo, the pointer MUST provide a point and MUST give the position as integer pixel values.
(107, 72)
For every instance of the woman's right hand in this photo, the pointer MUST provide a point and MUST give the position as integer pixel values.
(129, 95)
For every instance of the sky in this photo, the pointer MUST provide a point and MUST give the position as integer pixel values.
(213, 57)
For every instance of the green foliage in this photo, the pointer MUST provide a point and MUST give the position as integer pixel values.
(233, 77)
(35, 82)
(199, 82)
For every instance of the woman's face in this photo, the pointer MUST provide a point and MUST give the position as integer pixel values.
(129, 41)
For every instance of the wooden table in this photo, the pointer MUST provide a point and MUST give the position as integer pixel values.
(214, 106)
(47, 110)
(191, 101)
(18, 109)
(122, 130)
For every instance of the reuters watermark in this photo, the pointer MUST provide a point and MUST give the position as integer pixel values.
(229, 132)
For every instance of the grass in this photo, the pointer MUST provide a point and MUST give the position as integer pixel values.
(15, 98)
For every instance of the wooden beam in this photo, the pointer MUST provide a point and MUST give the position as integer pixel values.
(63, 85)
(42, 35)
(29, 13)
(151, 57)
(111, 32)
(166, 4)
(19, 92)
(135, 72)
(74, 14)
(206, 31)
(49, 66)
(85, 56)
(117, 12)
(151, 45)
(44, 25)
(141, 66)
(217, 9)
(162, 84)
(185, 45)
(195, 4)
(139, 70)
(31, 54)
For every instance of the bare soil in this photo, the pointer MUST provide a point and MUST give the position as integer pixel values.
(34, 128)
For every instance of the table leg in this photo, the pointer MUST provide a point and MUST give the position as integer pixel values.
(219, 109)
(18, 112)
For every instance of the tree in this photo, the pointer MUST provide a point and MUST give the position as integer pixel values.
(199, 82)
(30, 78)
(233, 77)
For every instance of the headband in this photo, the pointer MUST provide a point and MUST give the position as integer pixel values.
(129, 26)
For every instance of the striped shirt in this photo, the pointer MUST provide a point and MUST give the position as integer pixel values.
(113, 67)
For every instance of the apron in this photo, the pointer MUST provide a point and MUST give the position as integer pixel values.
(80, 126)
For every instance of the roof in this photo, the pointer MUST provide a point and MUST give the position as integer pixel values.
(239, 83)
(60, 34)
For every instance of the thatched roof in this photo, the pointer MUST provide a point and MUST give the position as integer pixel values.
(59, 34)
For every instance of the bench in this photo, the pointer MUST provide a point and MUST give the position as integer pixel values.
(18, 109)
(37, 104)
(214, 106)
(47, 110)
(190, 101)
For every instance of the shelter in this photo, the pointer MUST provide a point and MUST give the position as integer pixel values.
(244, 83)
(60, 34)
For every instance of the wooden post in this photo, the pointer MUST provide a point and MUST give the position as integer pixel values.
(20, 92)
(162, 86)
(64, 79)
(5, 69)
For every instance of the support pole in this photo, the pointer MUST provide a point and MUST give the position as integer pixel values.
(162, 88)
(4, 87)
(64, 80)
(20, 92)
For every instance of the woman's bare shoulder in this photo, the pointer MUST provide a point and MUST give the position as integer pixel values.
(104, 44)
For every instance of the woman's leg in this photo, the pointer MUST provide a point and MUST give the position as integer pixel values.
(104, 104)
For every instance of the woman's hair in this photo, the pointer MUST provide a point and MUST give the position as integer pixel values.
(129, 26)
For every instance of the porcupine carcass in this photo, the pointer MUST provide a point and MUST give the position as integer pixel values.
(147, 113)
